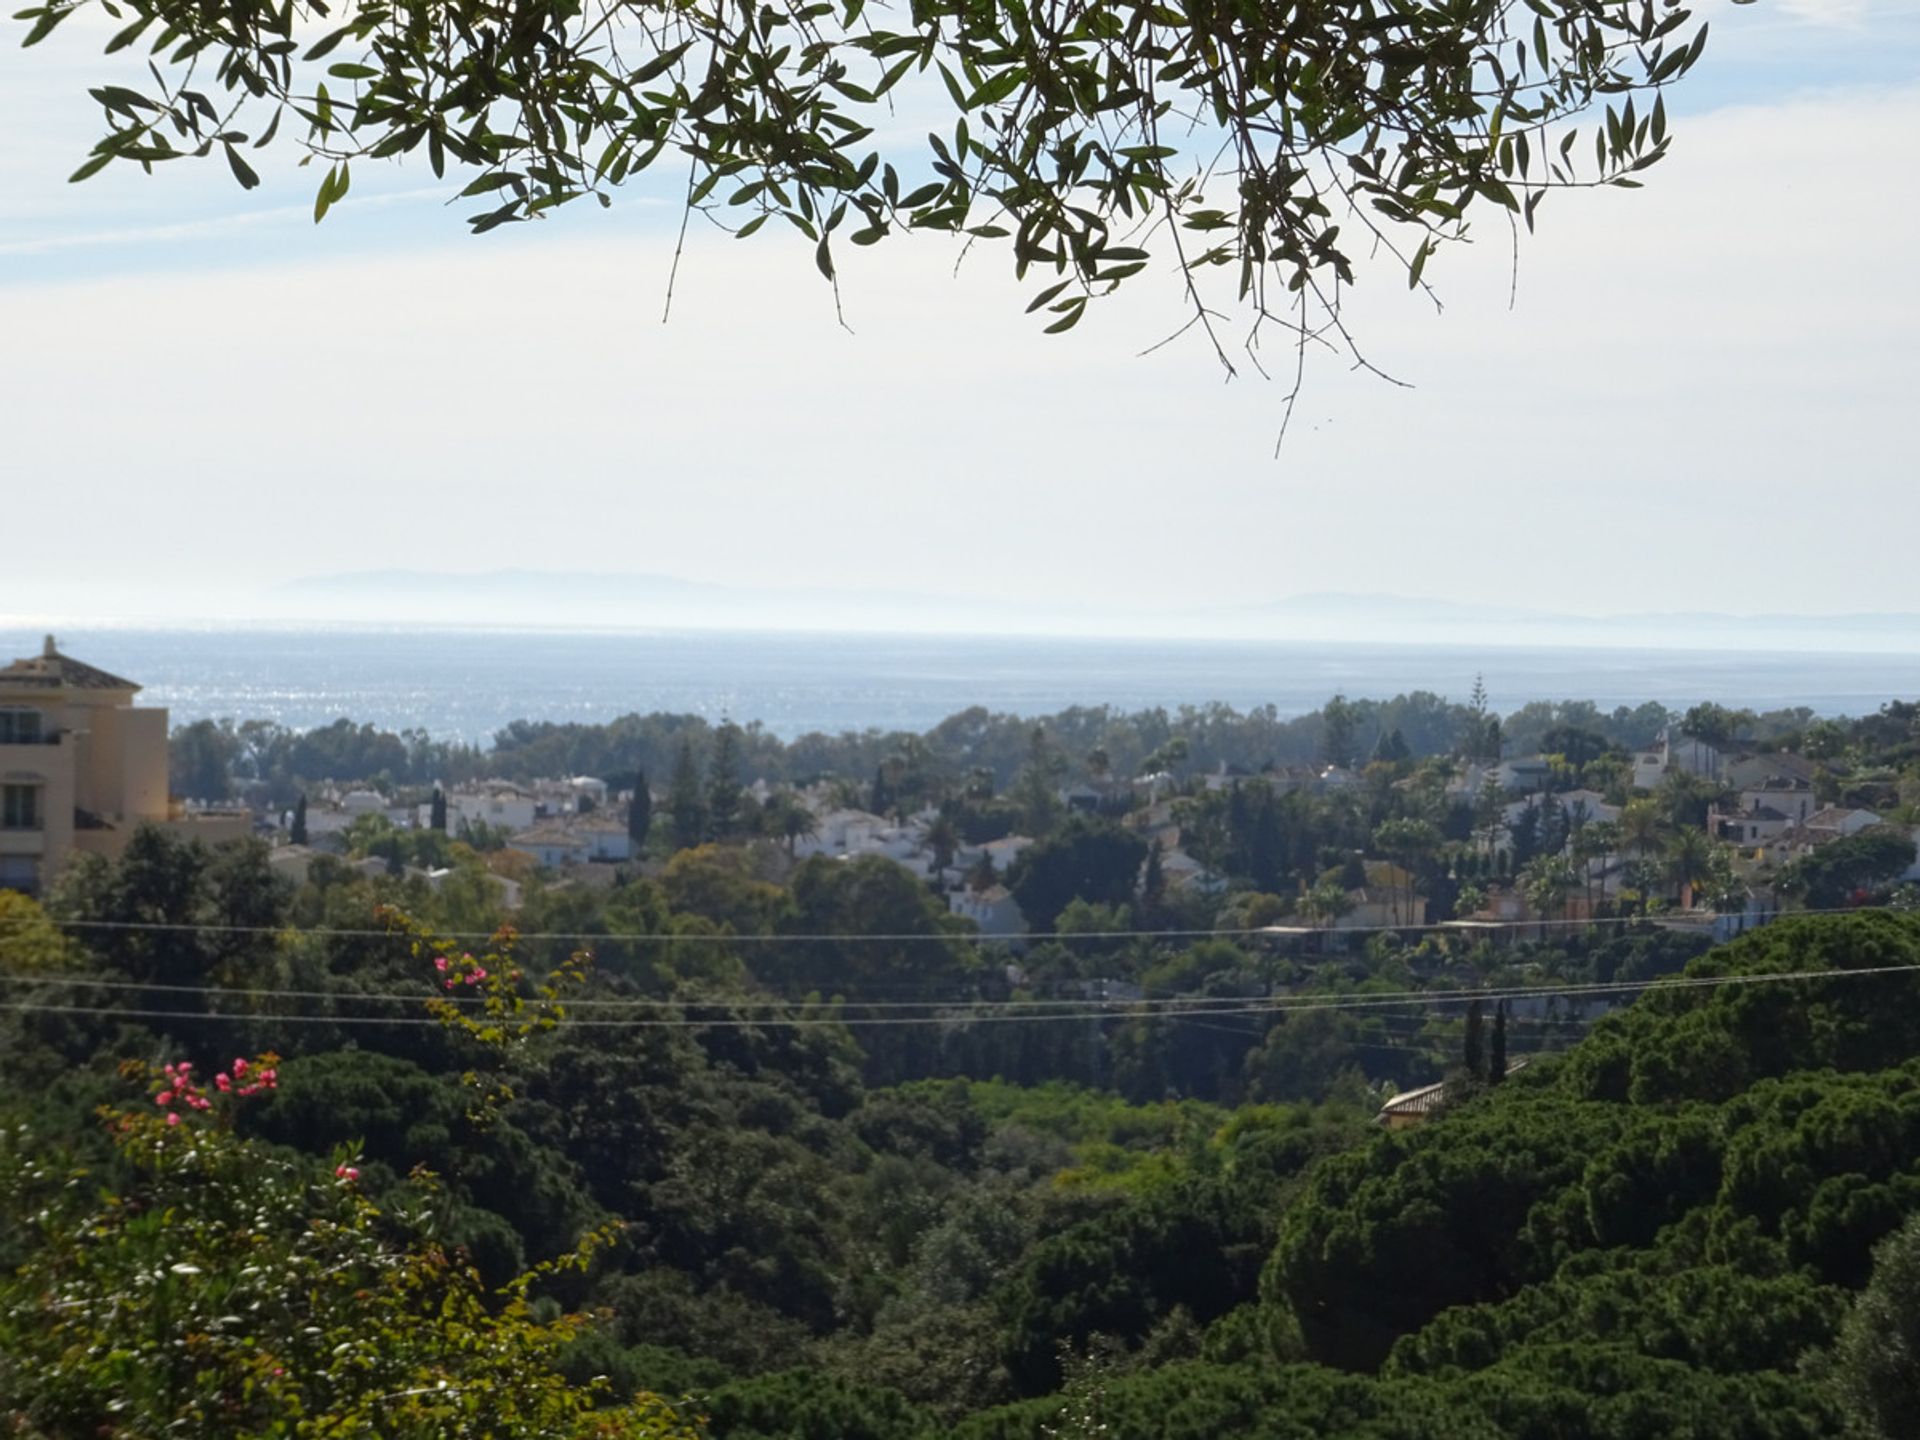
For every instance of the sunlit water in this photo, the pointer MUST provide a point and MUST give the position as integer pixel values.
(468, 683)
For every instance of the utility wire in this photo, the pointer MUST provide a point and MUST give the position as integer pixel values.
(1276, 932)
(1172, 1003)
(988, 1015)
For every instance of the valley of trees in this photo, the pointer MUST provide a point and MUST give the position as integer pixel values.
(800, 1158)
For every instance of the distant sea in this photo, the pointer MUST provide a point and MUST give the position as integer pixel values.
(467, 684)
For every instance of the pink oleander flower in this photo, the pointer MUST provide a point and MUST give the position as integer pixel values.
(239, 1067)
(200, 1102)
(222, 1084)
(452, 981)
(440, 963)
(347, 1173)
(269, 1078)
(173, 1117)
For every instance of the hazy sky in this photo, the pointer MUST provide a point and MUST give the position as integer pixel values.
(1702, 398)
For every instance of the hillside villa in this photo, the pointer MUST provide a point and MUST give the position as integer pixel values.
(82, 767)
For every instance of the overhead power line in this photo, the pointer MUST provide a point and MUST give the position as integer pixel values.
(905, 937)
(1201, 1004)
(1002, 1013)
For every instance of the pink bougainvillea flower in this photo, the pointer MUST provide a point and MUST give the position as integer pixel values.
(173, 1117)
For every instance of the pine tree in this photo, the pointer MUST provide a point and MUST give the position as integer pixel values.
(437, 815)
(1497, 1050)
(299, 832)
(685, 801)
(640, 813)
(1480, 738)
(723, 782)
(1337, 732)
(1476, 1047)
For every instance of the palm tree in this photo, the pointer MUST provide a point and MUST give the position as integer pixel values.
(788, 815)
(1643, 828)
(1595, 840)
(1325, 903)
(1689, 861)
(1545, 882)
(1644, 876)
(1406, 843)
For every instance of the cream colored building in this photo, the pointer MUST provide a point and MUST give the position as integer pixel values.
(81, 768)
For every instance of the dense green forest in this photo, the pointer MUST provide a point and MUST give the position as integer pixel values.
(828, 1188)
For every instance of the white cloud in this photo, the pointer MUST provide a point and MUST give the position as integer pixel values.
(1849, 14)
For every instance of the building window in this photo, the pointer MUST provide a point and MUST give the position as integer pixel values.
(19, 807)
(19, 872)
(19, 727)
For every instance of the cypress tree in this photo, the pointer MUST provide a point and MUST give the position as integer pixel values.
(640, 812)
(437, 816)
(1476, 1046)
(299, 832)
(880, 801)
(1497, 1050)
(1153, 887)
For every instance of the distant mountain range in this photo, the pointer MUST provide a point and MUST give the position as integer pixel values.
(587, 599)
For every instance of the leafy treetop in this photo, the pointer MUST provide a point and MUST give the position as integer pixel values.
(1275, 141)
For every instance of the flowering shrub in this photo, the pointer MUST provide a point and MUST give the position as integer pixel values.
(234, 1292)
(490, 998)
